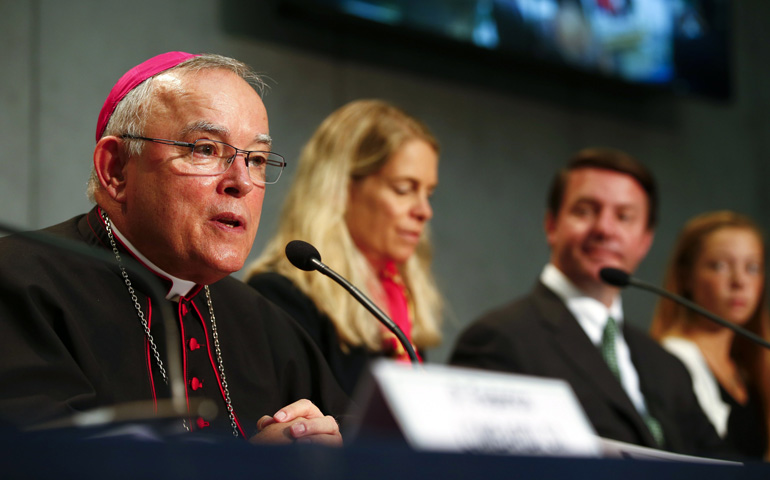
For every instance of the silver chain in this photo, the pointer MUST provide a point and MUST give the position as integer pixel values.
(151, 341)
(215, 334)
(139, 312)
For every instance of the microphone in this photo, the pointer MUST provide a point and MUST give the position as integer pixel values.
(306, 257)
(619, 278)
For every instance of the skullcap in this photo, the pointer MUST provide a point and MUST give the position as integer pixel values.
(134, 77)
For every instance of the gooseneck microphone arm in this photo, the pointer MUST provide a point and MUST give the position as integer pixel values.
(619, 278)
(305, 257)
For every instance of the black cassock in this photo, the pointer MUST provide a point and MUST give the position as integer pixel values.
(71, 340)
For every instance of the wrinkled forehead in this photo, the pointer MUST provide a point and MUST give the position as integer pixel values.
(215, 102)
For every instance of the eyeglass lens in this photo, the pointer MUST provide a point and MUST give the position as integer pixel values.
(213, 157)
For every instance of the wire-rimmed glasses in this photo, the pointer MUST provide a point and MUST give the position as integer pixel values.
(212, 157)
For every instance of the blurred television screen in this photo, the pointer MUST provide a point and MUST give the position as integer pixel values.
(681, 44)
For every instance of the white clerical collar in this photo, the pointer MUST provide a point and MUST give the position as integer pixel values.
(589, 312)
(179, 287)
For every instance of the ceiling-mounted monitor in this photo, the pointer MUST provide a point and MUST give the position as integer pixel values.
(682, 45)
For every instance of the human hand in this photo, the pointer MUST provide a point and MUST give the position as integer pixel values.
(300, 422)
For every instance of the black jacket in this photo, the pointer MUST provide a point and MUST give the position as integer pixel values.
(538, 335)
(70, 340)
(348, 365)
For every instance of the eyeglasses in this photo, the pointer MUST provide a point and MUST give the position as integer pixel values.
(211, 157)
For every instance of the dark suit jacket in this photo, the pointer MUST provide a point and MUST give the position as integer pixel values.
(538, 335)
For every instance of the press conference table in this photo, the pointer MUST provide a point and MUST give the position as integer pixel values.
(62, 454)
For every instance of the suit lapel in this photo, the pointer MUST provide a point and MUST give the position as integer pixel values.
(576, 348)
(649, 383)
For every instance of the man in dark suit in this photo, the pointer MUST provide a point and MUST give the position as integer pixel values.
(601, 213)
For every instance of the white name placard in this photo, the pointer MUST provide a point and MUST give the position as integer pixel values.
(445, 408)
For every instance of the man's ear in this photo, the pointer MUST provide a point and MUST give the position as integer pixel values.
(109, 164)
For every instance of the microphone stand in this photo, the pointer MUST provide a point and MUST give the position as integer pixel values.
(698, 309)
(305, 257)
(369, 305)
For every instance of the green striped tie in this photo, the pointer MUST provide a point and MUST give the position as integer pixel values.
(611, 357)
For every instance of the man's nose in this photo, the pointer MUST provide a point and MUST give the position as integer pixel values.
(236, 180)
(605, 223)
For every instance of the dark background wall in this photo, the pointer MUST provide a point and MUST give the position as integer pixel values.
(502, 135)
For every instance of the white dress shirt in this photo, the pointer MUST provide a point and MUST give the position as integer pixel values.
(592, 315)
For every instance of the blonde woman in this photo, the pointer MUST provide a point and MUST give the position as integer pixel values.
(718, 262)
(361, 196)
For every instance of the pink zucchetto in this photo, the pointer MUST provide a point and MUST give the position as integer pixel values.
(134, 77)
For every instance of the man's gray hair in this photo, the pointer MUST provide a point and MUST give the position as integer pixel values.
(130, 115)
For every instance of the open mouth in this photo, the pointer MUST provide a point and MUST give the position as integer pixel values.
(229, 221)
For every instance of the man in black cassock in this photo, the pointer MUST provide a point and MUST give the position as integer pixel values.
(180, 167)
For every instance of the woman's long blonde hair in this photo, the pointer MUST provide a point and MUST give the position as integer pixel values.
(671, 318)
(353, 142)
